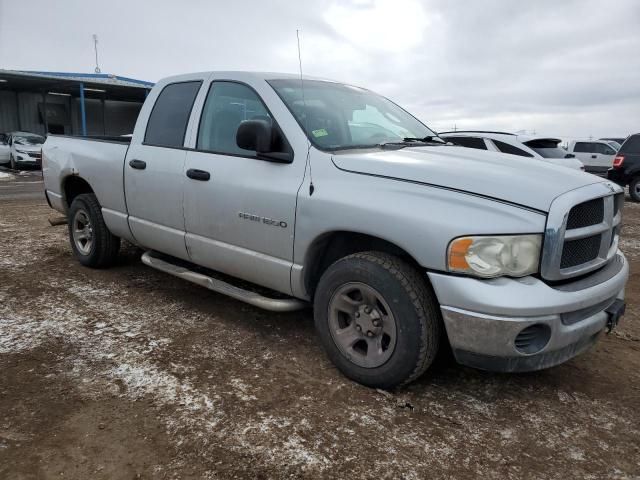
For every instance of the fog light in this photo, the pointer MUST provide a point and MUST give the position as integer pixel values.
(533, 338)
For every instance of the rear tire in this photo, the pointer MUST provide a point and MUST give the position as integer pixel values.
(634, 189)
(91, 241)
(377, 319)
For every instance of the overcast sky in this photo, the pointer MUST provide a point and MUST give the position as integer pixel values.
(568, 68)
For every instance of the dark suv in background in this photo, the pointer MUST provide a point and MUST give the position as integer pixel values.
(626, 166)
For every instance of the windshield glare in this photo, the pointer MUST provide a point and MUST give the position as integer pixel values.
(336, 116)
(29, 140)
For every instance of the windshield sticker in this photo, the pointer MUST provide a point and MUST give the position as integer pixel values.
(320, 133)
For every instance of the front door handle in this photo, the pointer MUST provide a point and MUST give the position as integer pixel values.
(196, 174)
(594, 156)
(138, 164)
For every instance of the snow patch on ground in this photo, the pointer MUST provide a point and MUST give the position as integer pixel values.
(4, 176)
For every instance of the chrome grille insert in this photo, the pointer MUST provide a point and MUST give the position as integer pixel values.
(581, 233)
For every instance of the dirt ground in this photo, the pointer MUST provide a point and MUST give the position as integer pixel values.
(129, 373)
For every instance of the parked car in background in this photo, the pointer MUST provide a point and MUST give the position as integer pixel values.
(25, 149)
(597, 155)
(334, 196)
(618, 140)
(626, 166)
(539, 148)
(4, 149)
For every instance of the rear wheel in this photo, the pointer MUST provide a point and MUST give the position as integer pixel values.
(377, 319)
(91, 241)
(634, 189)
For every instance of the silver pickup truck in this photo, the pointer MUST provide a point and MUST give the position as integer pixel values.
(325, 194)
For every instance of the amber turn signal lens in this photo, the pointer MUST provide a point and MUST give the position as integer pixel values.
(457, 253)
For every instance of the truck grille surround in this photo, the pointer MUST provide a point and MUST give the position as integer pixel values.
(582, 231)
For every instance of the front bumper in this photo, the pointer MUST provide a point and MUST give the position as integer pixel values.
(484, 318)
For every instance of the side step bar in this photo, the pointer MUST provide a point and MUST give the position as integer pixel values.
(252, 298)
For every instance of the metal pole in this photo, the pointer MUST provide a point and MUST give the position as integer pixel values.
(44, 113)
(104, 115)
(83, 113)
(18, 110)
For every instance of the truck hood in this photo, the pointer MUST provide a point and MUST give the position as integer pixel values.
(519, 180)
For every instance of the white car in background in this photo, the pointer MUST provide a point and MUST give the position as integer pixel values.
(25, 149)
(4, 149)
(597, 155)
(539, 148)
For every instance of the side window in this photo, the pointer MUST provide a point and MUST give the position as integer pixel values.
(168, 120)
(605, 149)
(584, 147)
(469, 142)
(227, 105)
(631, 145)
(507, 148)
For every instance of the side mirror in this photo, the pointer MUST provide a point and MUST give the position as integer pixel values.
(258, 135)
(569, 155)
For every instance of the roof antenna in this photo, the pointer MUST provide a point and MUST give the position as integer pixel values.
(95, 47)
(304, 104)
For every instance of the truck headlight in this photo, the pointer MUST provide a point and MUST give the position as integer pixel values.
(495, 256)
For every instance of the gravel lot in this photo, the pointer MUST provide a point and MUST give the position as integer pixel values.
(129, 373)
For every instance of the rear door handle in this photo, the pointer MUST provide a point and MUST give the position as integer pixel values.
(196, 174)
(138, 164)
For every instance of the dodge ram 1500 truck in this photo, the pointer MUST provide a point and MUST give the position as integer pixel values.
(328, 194)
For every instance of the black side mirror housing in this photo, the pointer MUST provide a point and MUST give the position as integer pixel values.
(259, 135)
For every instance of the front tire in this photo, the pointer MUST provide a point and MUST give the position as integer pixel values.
(377, 319)
(634, 189)
(91, 241)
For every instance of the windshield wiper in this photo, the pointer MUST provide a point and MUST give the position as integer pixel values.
(427, 139)
(412, 141)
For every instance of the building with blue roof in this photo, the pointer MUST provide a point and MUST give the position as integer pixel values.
(70, 103)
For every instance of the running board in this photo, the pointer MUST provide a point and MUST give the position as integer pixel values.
(252, 298)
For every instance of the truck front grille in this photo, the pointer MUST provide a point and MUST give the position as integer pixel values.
(577, 252)
(582, 231)
(586, 214)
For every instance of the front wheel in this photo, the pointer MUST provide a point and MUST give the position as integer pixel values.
(377, 319)
(91, 241)
(634, 189)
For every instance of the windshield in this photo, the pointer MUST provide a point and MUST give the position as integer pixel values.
(547, 148)
(336, 116)
(29, 140)
(552, 152)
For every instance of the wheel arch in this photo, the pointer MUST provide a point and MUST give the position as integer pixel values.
(72, 186)
(331, 246)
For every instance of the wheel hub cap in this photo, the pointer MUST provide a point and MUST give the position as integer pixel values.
(362, 324)
(82, 231)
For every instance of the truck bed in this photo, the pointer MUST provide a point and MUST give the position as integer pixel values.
(91, 158)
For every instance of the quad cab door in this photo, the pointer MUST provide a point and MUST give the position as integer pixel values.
(154, 169)
(240, 207)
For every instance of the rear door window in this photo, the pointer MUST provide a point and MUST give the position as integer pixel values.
(631, 145)
(168, 121)
(507, 148)
(469, 142)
